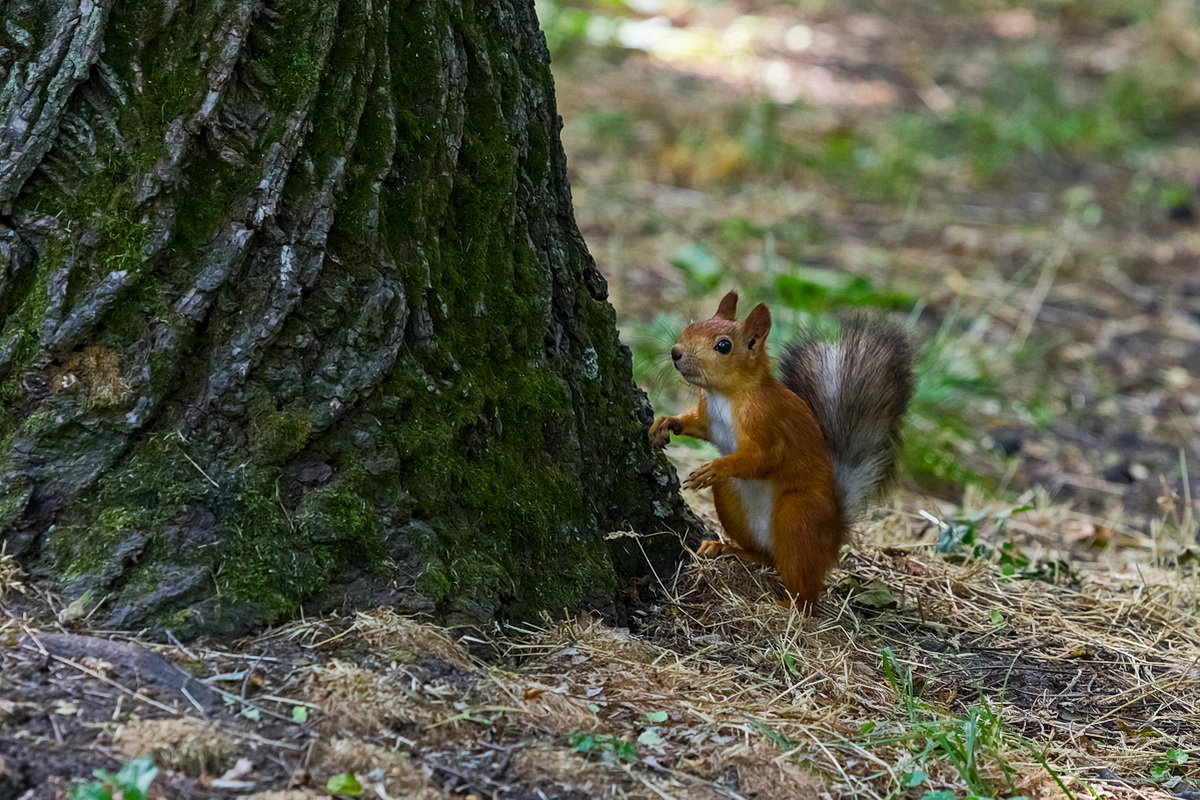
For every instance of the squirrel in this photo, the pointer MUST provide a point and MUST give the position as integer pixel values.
(800, 457)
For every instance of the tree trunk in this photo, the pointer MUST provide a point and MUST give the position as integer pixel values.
(294, 312)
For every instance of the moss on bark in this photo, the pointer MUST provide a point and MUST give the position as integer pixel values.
(319, 259)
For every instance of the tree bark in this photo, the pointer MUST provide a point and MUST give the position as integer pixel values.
(294, 312)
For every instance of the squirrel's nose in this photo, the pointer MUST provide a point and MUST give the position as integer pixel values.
(676, 353)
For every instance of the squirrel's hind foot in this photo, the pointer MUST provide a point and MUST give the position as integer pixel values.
(711, 548)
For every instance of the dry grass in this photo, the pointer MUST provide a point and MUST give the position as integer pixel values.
(10, 574)
(351, 698)
(920, 667)
(389, 769)
(721, 692)
(385, 630)
(982, 681)
(1056, 681)
(183, 743)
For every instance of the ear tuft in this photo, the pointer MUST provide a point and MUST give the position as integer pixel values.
(757, 324)
(728, 307)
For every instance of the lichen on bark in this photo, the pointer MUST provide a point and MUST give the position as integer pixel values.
(294, 311)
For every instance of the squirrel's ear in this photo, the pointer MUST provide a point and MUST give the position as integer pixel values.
(757, 325)
(728, 307)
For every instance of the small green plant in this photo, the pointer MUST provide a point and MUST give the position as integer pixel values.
(962, 534)
(650, 737)
(967, 743)
(131, 782)
(345, 784)
(1161, 769)
(701, 268)
(973, 535)
(811, 289)
(604, 743)
(1177, 196)
(1012, 559)
(955, 371)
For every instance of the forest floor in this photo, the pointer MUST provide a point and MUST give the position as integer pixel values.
(923, 675)
(1019, 187)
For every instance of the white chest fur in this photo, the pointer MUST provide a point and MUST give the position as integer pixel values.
(720, 424)
(757, 497)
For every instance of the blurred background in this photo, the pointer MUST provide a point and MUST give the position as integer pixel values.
(1016, 182)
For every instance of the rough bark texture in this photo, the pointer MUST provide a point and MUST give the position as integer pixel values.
(294, 310)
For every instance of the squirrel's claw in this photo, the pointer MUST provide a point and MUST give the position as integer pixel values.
(702, 477)
(661, 430)
(710, 548)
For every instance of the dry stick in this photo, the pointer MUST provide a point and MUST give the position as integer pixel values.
(244, 701)
(195, 704)
(244, 656)
(326, 641)
(289, 701)
(645, 782)
(467, 779)
(1045, 282)
(180, 645)
(99, 677)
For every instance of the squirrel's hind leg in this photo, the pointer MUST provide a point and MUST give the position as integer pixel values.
(808, 534)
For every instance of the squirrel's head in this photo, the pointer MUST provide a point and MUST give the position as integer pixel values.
(720, 353)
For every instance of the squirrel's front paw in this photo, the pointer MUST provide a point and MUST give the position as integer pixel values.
(703, 476)
(710, 548)
(661, 430)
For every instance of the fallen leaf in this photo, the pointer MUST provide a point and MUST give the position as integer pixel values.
(875, 594)
(650, 738)
(76, 609)
(1144, 731)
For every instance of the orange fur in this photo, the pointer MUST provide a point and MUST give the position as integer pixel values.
(772, 437)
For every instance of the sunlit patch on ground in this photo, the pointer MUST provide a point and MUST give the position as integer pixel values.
(1025, 200)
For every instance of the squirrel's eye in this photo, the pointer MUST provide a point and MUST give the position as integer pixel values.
(723, 346)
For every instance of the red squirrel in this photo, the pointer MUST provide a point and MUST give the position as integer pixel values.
(802, 456)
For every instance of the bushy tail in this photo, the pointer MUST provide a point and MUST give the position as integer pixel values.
(858, 384)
